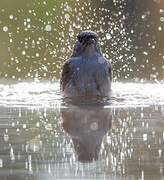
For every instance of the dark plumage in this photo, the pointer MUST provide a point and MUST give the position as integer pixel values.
(87, 72)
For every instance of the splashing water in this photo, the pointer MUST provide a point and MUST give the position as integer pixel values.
(29, 94)
(131, 36)
(38, 94)
(37, 37)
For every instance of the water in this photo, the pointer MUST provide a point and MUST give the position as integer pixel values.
(43, 137)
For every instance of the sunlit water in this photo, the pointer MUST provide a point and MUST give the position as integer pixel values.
(41, 137)
(46, 94)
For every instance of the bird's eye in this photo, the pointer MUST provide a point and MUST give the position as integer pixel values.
(80, 39)
(93, 37)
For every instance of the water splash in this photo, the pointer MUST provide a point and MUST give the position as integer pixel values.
(47, 32)
(46, 94)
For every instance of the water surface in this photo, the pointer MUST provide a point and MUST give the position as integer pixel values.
(43, 137)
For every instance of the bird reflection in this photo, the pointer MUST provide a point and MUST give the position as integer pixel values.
(87, 125)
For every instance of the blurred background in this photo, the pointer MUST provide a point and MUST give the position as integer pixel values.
(37, 36)
(40, 133)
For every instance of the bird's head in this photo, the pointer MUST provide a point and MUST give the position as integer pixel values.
(87, 40)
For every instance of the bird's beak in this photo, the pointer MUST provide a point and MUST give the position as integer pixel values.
(91, 41)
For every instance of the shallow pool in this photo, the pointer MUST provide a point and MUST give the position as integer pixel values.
(44, 137)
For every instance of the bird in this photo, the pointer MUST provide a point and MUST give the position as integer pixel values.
(87, 73)
(86, 128)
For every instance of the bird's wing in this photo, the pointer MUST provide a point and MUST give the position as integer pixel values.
(110, 70)
(66, 75)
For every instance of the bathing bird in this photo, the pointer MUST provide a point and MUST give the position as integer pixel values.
(87, 73)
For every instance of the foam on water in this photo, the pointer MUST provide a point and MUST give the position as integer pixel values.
(46, 94)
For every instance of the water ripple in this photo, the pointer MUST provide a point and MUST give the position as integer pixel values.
(46, 94)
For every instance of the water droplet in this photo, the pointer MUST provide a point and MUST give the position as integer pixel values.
(11, 16)
(145, 137)
(28, 20)
(108, 36)
(101, 60)
(5, 28)
(1, 163)
(48, 27)
(37, 54)
(162, 19)
(94, 126)
(145, 53)
(67, 16)
(6, 137)
(160, 152)
(159, 28)
(23, 52)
